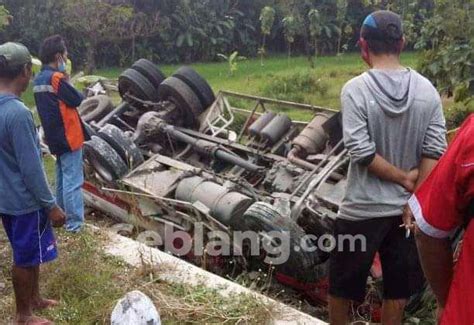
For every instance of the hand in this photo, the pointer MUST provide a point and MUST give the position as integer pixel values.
(57, 216)
(408, 219)
(410, 180)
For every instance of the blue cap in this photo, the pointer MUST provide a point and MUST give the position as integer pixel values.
(382, 25)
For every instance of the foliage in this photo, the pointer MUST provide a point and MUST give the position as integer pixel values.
(83, 82)
(100, 22)
(5, 17)
(290, 29)
(295, 86)
(457, 113)
(449, 56)
(232, 60)
(267, 18)
(314, 29)
(88, 283)
(117, 32)
(345, 29)
(314, 23)
(195, 30)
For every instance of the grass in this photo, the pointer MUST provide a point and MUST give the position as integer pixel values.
(281, 78)
(88, 283)
(252, 78)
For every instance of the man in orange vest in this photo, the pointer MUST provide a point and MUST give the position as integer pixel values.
(57, 101)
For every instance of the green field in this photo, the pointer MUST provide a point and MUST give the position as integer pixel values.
(279, 77)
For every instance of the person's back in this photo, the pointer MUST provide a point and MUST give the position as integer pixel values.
(27, 208)
(15, 195)
(394, 131)
(404, 121)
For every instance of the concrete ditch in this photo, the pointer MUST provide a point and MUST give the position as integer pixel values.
(179, 271)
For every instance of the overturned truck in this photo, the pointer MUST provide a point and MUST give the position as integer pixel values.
(172, 157)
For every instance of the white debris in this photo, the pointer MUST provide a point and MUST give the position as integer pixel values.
(135, 308)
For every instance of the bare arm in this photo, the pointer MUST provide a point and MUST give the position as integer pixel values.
(436, 259)
(386, 171)
(426, 166)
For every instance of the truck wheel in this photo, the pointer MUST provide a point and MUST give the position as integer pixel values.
(175, 90)
(122, 144)
(301, 264)
(133, 82)
(104, 159)
(89, 130)
(150, 71)
(198, 84)
(94, 108)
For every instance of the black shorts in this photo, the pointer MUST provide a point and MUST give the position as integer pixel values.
(402, 273)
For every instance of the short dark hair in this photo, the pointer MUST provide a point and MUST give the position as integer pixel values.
(384, 47)
(51, 46)
(10, 72)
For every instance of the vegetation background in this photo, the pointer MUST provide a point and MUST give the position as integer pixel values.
(114, 33)
(299, 50)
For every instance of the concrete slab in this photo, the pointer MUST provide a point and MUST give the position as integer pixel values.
(179, 271)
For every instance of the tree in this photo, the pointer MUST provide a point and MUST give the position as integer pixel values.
(5, 17)
(289, 30)
(314, 30)
(99, 22)
(267, 18)
(233, 60)
(448, 40)
(199, 26)
(344, 28)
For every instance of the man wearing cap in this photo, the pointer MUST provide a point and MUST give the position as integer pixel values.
(394, 129)
(27, 208)
(56, 101)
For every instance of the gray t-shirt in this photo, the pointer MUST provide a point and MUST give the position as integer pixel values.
(398, 115)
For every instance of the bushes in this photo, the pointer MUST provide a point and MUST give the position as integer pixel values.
(295, 87)
(456, 114)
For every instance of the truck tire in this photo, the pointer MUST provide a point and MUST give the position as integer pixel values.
(150, 71)
(133, 82)
(94, 108)
(122, 144)
(198, 84)
(301, 265)
(104, 159)
(89, 130)
(175, 90)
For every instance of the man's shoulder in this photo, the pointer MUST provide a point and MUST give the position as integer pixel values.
(43, 77)
(422, 80)
(14, 110)
(19, 108)
(353, 84)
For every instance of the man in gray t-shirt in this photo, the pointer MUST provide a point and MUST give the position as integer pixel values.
(394, 129)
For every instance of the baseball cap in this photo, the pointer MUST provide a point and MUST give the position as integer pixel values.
(382, 25)
(14, 54)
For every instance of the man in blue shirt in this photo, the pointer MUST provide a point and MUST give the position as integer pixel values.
(28, 210)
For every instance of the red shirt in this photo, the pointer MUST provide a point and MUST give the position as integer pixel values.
(440, 206)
